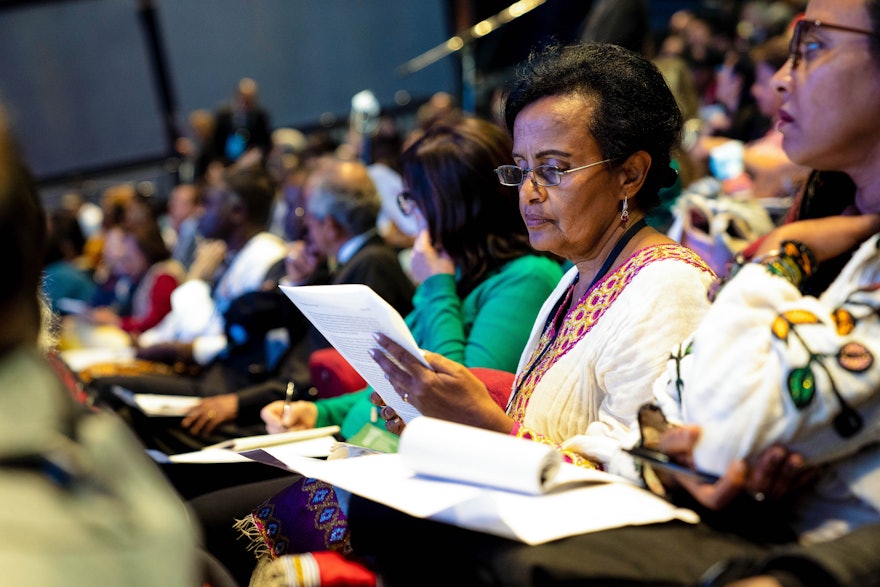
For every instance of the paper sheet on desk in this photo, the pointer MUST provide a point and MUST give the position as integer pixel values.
(583, 500)
(154, 404)
(313, 447)
(348, 315)
(263, 440)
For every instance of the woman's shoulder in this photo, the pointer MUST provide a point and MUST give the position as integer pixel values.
(667, 255)
(658, 271)
(529, 276)
(537, 266)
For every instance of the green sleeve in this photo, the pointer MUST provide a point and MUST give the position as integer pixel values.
(437, 320)
(333, 410)
(353, 412)
(491, 326)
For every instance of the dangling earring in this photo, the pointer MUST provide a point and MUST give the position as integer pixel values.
(624, 212)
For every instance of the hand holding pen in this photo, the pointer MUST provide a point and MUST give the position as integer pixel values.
(284, 415)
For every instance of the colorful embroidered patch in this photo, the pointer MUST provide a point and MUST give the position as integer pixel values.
(801, 386)
(303, 517)
(843, 320)
(855, 357)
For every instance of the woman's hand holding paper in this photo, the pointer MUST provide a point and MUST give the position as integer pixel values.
(393, 423)
(447, 390)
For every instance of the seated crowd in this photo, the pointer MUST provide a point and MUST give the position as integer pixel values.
(543, 247)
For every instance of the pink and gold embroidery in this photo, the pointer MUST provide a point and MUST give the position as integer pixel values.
(587, 313)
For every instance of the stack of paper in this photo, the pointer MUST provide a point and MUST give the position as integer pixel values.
(488, 482)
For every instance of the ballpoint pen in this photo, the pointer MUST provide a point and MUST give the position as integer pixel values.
(287, 399)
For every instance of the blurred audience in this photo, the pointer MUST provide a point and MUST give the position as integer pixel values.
(233, 260)
(341, 210)
(147, 265)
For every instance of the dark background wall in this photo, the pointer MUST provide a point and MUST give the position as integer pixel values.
(96, 86)
(81, 82)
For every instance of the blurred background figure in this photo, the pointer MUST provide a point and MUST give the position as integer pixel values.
(147, 265)
(66, 280)
(88, 213)
(241, 125)
(113, 201)
(734, 113)
(233, 259)
(106, 515)
(195, 147)
(181, 220)
(284, 160)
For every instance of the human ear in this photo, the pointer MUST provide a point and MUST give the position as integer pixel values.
(633, 173)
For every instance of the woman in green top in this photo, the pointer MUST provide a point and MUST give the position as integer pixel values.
(480, 282)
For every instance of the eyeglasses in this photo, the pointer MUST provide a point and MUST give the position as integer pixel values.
(804, 27)
(543, 175)
(406, 204)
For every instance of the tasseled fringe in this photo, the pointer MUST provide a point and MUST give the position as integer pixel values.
(249, 530)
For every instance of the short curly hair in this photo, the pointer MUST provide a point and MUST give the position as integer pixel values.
(635, 109)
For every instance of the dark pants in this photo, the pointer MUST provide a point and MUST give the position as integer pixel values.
(401, 548)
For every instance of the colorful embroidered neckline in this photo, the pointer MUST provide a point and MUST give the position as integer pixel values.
(556, 342)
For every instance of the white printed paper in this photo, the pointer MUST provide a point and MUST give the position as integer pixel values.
(348, 315)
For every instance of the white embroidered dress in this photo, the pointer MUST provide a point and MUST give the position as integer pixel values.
(585, 389)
